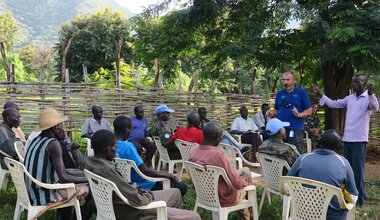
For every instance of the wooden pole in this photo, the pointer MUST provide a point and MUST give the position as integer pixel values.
(4, 56)
(65, 50)
(12, 94)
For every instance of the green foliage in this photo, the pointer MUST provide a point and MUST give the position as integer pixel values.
(129, 74)
(21, 75)
(94, 41)
(9, 30)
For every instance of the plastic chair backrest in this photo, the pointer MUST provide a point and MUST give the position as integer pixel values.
(89, 150)
(205, 180)
(164, 155)
(102, 190)
(230, 152)
(125, 167)
(17, 171)
(19, 148)
(184, 148)
(310, 199)
(272, 170)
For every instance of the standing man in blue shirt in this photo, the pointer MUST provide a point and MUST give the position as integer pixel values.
(139, 132)
(292, 105)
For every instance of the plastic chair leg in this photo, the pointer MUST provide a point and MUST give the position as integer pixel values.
(18, 211)
(285, 207)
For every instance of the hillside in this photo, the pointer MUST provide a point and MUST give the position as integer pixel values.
(41, 19)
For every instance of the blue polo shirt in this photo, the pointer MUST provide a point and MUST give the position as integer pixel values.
(126, 150)
(326, 166)
(139, 128)
(285, 102)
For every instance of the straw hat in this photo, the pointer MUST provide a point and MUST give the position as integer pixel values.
(49, 117)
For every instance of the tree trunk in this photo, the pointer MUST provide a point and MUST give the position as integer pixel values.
(65, 51)
(156, 72)
(4, 56)
(194, 82)
(119, 45)
(253, 89)
(336, 82)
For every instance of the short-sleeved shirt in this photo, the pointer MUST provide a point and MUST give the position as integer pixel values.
(191, 134)
(326, 166)
(285, 102)
(241, 124)
(139, 128)
(279, 149)
(162, 129)
(90, 126)
(126, 150)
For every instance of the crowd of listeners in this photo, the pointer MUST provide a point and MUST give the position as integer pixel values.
(51, 157)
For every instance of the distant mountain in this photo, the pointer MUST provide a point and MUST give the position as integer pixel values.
(41, 19)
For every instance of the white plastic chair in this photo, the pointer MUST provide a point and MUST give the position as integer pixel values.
(310, 199)
(184, 148)
(18, 172)
(234, 156)
(89, 150)
(125, 166)
(205, 180)
(272, 171)
(19, 148)
(165, 159)
(102, 190)
(4, 174)
(308, 142)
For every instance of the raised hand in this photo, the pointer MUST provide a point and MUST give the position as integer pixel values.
(370, 89)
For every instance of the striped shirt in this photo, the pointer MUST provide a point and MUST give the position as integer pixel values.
(40, 166)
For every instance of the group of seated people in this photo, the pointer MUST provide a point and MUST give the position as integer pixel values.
(49, 152)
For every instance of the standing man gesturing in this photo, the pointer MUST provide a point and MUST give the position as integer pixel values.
(292, 105)
(360, 106)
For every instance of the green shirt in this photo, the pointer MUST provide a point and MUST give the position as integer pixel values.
(280, 149)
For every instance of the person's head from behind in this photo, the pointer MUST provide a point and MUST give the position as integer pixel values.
(97, 112)
(276, 129)
(122, 126)
(202, 112)
(330, 139)
(212, 134)
(163, 112)
(139, 112)
(11, 117)
(244, 112)
(104, 144)
(193, 120)
(11, 105)
(288, 80)
(264, 108)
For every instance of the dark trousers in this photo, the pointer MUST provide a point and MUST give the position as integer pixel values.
(179, 185)
(149, 147)
(254, 140)
(296, 140)
(355, 153)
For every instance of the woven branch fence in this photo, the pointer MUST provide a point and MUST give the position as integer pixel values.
(75, 101)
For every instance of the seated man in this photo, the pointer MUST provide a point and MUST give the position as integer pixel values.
(209, 154)
(164, 128)
(275, 145)
(261, 120)
(103, 142)
(127, 150)
(139, 132)
(203, 115)
(325, 165)
(18, 132)
(91, 125)
(247, 128)
(192, 133)
(44, 158)
(313, 126)
(11, 119)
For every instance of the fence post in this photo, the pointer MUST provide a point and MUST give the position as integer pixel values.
(12, 91)
(42, 88)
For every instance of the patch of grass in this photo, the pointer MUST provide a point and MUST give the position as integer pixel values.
(371, 207)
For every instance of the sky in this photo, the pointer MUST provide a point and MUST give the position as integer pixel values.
(136, 6)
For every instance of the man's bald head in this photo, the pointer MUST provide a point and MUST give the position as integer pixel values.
(330, 139)
(11, 117)
(212, 134)
(193, 119)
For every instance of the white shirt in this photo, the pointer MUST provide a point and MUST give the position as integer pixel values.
(240, 124)
(259, 119)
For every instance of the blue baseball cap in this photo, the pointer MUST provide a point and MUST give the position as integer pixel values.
(164, 108)
(274, 125)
